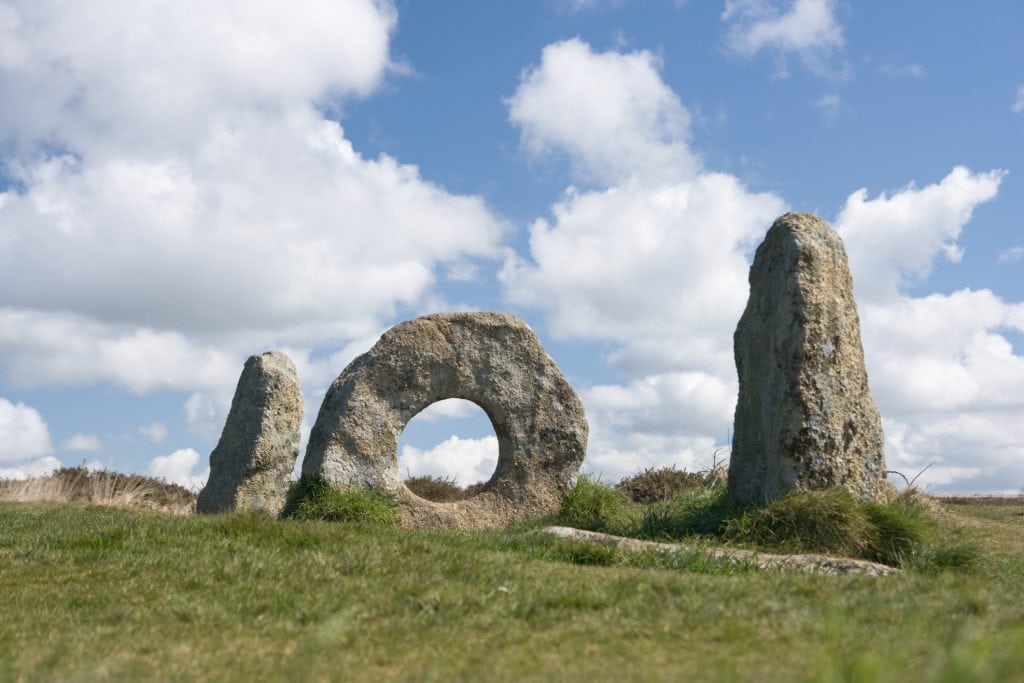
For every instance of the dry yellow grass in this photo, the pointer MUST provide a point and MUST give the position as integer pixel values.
(100, 487)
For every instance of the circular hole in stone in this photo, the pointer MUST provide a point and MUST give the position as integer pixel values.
(447, 451)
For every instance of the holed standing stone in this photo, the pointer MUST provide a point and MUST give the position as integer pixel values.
(492, 359)
(804, 418)
(251, 467)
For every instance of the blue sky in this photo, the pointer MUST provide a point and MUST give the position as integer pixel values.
(182, 186)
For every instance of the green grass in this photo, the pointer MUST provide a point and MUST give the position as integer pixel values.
(312, 499)
(901, 533)
(700, 511)
(595, 506)
(112, 594)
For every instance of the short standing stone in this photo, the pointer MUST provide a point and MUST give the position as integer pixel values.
(251, 467)
(805, 418)
(492, 359)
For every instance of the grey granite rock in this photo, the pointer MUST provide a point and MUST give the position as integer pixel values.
(251, 467)
(827, 565)
(805, 417)
(492, 359)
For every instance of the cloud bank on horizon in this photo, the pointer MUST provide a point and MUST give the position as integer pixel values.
(178, 192)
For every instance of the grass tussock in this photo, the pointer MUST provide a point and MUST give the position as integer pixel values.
(701, 511)
(653, 485)
(905, 532)
(436, 489)
(595, 506)
(829, 521)
(441, 489)
(313, 499)
(100, 487)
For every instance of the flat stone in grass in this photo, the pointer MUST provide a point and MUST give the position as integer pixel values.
(251, 467)
(804, 562)
(804, 417)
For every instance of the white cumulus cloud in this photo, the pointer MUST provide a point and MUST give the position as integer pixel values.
(120, 74)
(467, 461)
(1011, 255)
(88, 443)
(658, 269)
(30, 469)
(892, 240)
(155, 431)
(58, 348)
(206, 413)
(941, 367)
(654, 404)
(23, 433)
(448, 409)
(1018, 104)
(675, 418)
(177, 182)
(298, 236)
(653, 261)
(179, 468)
(807, 28)
(609, 112)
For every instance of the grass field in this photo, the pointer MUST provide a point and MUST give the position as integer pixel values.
(93, 593)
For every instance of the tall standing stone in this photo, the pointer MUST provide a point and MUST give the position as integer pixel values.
(250, 469)
(805, 418)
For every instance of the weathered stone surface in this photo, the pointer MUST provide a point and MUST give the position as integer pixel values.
(491, 359)
(810, 564)
(251, 467)
(805, 417)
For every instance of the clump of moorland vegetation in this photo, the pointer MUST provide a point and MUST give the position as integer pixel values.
(671, 505)
(905, 531)
(100, 487)
(313, 499)
(441, 489)
(660, 504)
(655, 484)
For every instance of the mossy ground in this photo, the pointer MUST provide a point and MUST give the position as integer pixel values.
(112, 594)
